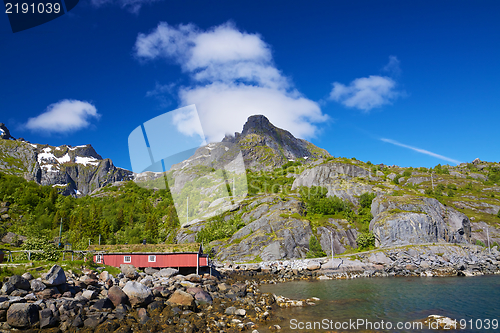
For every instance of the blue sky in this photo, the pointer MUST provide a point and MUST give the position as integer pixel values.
(385, 81)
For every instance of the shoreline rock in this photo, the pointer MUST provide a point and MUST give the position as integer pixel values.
(164, 301)
(423, 260)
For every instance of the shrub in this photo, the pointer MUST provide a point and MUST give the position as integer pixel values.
(365, 199)
(396, 179)
(441, 170)
(494, 175)
(451, 193)
(290, 164)
(498, 214)
(40, 243)
(315, 250)
(407, 173)
(217, 228)
(478, 242)
(318, 203)
(365, 240)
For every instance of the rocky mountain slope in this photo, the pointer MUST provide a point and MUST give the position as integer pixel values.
(445, 204)
(74, 170)
(219, 169)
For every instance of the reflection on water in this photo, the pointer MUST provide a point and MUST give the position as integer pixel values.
(392, 299)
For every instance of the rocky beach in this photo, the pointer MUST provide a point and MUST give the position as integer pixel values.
(227, 301)
(149, 301)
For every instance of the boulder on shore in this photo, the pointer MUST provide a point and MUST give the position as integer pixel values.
(117, 296)
(22, 315)
(138, 294)
(54, 277)
(182, 298)
(129, 271)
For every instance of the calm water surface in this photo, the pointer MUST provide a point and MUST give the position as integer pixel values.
(393, 299)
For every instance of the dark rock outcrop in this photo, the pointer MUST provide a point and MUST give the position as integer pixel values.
(22, 315)
(416, 220)
(5, 133)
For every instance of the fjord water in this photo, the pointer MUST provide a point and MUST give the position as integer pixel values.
(392, 299)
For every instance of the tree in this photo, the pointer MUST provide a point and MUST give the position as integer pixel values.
(365, 240)
(40, 243)
(151, 229)
(365, 199)
(315, 250)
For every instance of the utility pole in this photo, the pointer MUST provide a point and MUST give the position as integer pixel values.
(99, 239)
(60, 233)
(187, 211)
(488, 236)
(234, 193)
(432, 181)
(331, 240)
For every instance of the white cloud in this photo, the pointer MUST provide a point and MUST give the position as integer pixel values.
(133, 6)
(234, 77)
(64, 116)
(365, 93)
(224, 108)
(370, 92)
(422, 151)
(393, 66)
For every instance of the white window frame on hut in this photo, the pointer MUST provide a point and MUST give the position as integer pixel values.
(98, 259)
(151, 258)
(127, 259)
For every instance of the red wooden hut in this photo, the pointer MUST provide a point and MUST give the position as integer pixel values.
(154, 259)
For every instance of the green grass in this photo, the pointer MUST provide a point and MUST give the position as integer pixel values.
(37, 268)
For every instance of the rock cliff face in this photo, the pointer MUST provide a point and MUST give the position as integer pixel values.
(271, 233)
(74, 170)
(339, 234)
(417, 220)
(338, 178)
(276, 228)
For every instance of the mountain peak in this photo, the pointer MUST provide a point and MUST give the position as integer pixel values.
(267, 146)
(4, 132)
(257, 123)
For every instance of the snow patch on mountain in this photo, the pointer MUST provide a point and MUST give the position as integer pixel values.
(75, 148)
(86, 160)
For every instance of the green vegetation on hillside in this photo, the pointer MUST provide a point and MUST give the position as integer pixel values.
(318, 203)
(124, 214)
(272, 182)
(218, 228)
(315, 250)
